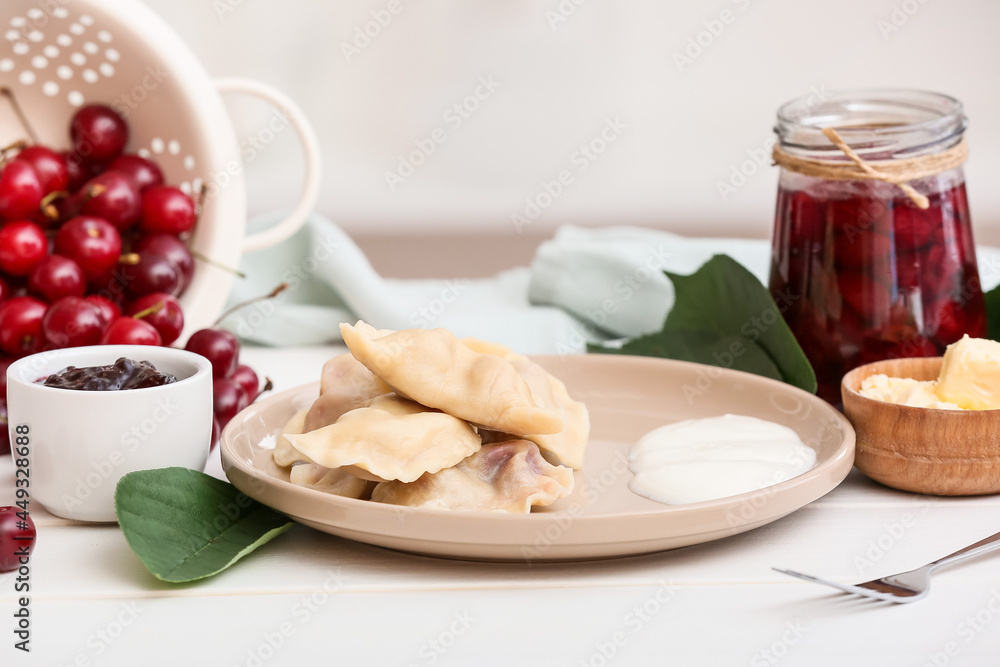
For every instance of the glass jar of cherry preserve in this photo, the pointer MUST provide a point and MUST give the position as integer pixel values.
(872, 252)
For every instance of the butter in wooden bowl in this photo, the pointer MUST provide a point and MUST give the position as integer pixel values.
(930, 425)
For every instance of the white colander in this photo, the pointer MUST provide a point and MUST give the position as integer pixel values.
(56, 55)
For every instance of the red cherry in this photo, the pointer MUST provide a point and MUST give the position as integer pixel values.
(108, 311)
(168, 320)
(4, 431)
(20, 191)
(171, 248)
(98, 133)
(21, 325)
(17, 532)
(72, 322)
(113, 196)
(248, 380)
(5, 363)
(144, 172)
(151, 273)
(50, 166)
(228, 398)
(92, 242)
(218, 346)
(56, 276)
(22, 246)
(78, 173)
(130, 331)
(167, 209)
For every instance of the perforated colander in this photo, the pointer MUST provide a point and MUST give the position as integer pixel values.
(56, 55)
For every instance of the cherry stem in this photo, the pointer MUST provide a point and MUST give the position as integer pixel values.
(19, 112)
(129, 258)
(240, 306)
(219, 265)
(50, 211)
(94, 190)
(152, 310)
(200, 202)
(18, 145)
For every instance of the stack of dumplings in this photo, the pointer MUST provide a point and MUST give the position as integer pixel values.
(422, 419)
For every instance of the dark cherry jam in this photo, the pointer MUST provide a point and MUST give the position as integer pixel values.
(867, 277)
(123, 374)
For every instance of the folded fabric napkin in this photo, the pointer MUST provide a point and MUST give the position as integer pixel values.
(583, 285)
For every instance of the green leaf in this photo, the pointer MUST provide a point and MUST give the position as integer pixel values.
(992, 303)
(185, 525)
(723, 316)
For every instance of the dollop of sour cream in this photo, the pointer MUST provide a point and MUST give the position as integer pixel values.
(715, 457)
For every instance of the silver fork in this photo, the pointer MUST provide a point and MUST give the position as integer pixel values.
(905, 586)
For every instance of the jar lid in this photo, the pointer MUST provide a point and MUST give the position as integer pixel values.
(877, 123)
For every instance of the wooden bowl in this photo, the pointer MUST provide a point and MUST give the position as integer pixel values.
(924, 450)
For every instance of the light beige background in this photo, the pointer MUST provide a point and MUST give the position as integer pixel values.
(687, 127)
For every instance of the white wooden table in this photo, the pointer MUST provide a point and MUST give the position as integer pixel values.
(313, 599)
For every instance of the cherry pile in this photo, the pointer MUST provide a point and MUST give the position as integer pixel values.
(17, 536)
(234, 385)
(94, 250)
(863, 278)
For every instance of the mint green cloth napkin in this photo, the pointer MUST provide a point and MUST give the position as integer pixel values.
(586, 284)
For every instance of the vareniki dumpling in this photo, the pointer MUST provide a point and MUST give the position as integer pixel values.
(566, 447)
(336, 481)
(435, 369)
(508, 477)
(345, 385)
(391, 438)
(284, 453)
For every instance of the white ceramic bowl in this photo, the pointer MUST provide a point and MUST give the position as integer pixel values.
(82, 442)
(61, 55)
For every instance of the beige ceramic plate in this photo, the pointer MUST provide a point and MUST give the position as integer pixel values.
(627, 397)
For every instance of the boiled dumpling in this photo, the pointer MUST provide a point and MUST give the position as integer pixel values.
(336, 481)
(568, 446)
(344, 386)
(284, 453)
(392, 438)
(508, 477)
(486, 347)
(435, 369)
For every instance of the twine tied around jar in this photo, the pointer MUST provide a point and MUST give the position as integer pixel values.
(897, 172)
